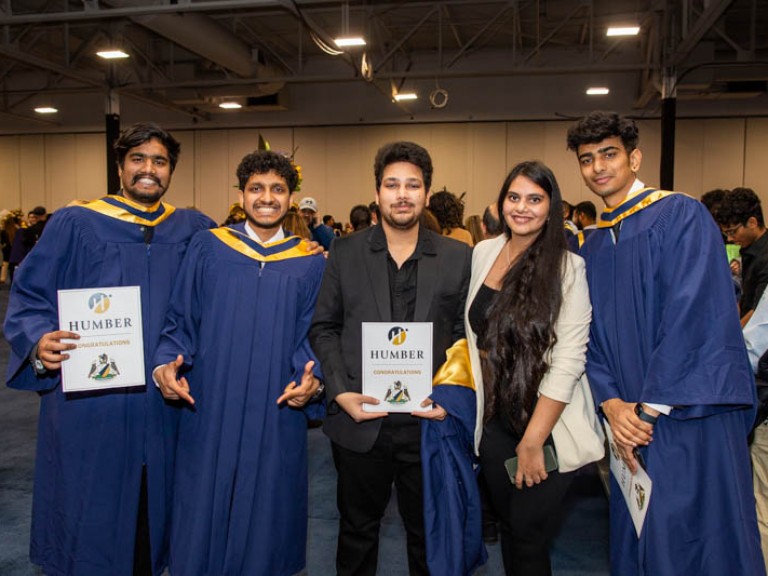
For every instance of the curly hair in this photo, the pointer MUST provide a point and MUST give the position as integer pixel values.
(521, 321)
(263, 161)
(141, 133)
(448, 210)
(403, 152)
(597, 126)
(737, 206)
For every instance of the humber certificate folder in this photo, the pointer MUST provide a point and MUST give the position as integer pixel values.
(397, 365)
(110, 351)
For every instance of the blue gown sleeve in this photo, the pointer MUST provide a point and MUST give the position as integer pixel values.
(315, 410)
(180, 333)
(33, 304)
(698, 363)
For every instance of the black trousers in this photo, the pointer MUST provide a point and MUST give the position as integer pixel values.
(529, 518)
(363, 491)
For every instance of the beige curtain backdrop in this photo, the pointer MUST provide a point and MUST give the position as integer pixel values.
(337, 162)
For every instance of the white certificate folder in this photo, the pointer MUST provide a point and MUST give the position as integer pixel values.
(397, 365)
(110, 351)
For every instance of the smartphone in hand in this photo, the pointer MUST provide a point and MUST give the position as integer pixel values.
(550, 462)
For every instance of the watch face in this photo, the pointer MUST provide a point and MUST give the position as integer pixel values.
(38, 365)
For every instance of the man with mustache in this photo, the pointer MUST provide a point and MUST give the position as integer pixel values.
(235, 349)
(105, 458)
(398, 272)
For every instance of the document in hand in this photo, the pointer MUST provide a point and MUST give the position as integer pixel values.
(397, 365)
(636, 488)
(110, 351)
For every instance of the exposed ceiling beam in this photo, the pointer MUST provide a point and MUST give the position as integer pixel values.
(703, 25)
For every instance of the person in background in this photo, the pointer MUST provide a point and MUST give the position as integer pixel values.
(235, 216)
(667, 365)
(474, 225)
(527, 322)
(374, 208)
(740, 217)
(296, 225)
(491, 223)
(449, 212)
(568, 223)
(321, 233)
(584, 215)
(360, 217)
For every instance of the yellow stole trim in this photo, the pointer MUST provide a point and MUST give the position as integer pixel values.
(644, 203)
(456, 371)
(108, 209)
(236, 240)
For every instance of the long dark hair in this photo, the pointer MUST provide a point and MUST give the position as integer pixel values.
(522, 319)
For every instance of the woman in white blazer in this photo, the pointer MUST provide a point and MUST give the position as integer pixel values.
(527, 323)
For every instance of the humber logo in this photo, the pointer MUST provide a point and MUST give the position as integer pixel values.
(99, 302)
(397, 335)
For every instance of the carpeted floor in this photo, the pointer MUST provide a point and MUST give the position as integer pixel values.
(581, 549)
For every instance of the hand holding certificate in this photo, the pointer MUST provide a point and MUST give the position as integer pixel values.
(109, 352)
(397, 366)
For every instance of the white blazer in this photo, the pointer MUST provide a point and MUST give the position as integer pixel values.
(577, 435)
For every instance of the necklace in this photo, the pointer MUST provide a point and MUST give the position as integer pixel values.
(507, 251)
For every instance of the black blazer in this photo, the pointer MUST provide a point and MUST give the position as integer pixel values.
(355, 289)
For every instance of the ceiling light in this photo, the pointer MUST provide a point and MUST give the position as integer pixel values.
(597, 91)
(230, 105)
(46, 110)
(405, 96)
(112, 54)
(349, 41)
(623, 31)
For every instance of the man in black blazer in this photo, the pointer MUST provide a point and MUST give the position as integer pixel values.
(395, 272)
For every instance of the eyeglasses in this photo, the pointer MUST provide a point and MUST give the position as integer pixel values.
(728, 232)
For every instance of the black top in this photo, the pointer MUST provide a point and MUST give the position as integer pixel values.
(478, 313)
(754, 262)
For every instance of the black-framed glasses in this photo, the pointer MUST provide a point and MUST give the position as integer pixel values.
(728, 232)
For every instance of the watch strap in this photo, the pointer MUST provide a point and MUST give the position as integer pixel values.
(643, 415)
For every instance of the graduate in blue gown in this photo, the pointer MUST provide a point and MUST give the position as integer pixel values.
(94, 446)
(236, 336)
(668, 367)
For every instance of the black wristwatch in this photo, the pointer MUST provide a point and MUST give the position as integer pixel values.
(643, 415)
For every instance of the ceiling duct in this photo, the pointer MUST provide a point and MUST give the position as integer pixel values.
(204, 36)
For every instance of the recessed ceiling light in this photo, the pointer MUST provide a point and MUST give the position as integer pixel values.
(598, 91)
(623, 31)
(230, 105)
(349, 41)
(405, 96)
(46, 110)
(112, 54)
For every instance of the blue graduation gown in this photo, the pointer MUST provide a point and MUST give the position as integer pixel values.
(452, 507)
(240, 315)
(665, 331)
(91, 446)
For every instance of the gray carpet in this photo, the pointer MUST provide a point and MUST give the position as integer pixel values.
(581, 549)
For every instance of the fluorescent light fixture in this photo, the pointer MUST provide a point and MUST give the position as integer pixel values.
(230, 105)
(111, 54)
(46, 110)
(349, 41)
(597, 91)
(405, 96)
(623, 31)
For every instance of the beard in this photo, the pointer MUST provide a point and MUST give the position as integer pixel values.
(137, 194)
(265, 224)
(403, 221)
